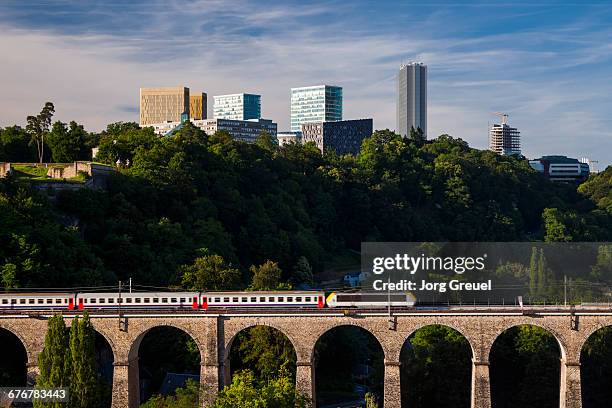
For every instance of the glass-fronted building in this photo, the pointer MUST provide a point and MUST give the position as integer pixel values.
(309, 104)
(237, 106)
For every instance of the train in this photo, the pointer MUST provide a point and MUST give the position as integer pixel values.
(81, 301)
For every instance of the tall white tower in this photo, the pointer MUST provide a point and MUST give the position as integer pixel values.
(412, 98)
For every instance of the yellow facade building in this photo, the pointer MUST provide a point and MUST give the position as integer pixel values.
(198, 106)
(158, 105)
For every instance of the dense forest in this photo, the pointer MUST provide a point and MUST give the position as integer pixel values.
(204, 211)
(194, 195)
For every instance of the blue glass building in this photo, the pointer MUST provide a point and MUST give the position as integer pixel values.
(309, 104)
(237, 106)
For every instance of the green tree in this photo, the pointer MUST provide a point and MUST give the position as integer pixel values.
(266, 276)
(302, 271)
(554, 226)
(371, 401)
(264, 351)
(53, 361)
(266, 142)
(210, 272)
(244, 392)
(186, 397)
(38, 128)
(542, 274)
(68, 143)
(85, 389)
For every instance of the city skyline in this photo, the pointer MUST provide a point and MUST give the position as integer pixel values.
(545, 64)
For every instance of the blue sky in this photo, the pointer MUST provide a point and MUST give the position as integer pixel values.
(547, 64)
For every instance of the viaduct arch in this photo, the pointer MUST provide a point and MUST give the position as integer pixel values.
(214, 333)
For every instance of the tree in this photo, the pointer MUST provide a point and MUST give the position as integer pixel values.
(266, 276)
(53, 361)
(370, 400)
(186, 397)
(244, 392)
(210, 272)
(85, 390)
(266, 141)
(68, 143)
(302, 271)
(38, 128)
(533, 272)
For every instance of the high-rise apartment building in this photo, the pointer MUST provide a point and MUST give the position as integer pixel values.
(237, 106)
(504, 139)
(412, 98)
(198, 106)
(344, 136)
(159, 105)
(321, 103)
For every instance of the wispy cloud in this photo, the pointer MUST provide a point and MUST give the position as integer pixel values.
(546, 65)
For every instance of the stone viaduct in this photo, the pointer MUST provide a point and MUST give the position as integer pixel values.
(214, 334)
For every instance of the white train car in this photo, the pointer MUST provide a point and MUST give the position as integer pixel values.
(137, 300)
(211, 300)
(37, 301)
(370, 300)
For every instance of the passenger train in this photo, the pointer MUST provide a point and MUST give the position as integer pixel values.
(199, 300)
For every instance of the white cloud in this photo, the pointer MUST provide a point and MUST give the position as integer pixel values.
(552, 94)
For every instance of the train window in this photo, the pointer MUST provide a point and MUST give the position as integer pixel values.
(31, 301)
(253, 299)
(307, 299)
(13, 301)
(244, 299)
(49, 301)
(270, 299)
(183, 300)
(217, 300)
(147, 300)
(41, 301)
(262, 299)
(111, 300)
(119, 300)
(298, 299)
(155, 300)
(128, 300)
(226, 300)
(92, 300)
(137, 300)
(235, 300)
(289, 298)
(58, 301)
(102, 300)
(164, 300)
(5, 301)
(22, 301)
(173, 300)
(65, 300)
(281, 298)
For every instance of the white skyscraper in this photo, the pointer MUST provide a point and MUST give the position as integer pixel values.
(412, 98)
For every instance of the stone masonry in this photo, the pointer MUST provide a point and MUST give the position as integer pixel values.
(214, 335)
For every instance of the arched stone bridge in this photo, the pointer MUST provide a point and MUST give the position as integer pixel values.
(214, 334)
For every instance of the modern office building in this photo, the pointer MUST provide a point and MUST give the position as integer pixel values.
(504, 139)
(244, 130)
(237, 106)
(321, 103)
(285, 138)
(561, 168)
(198, 106)
(344, 137)
(159, 105)
(412, 98)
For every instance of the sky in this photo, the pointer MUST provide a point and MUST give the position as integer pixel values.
(547, 64)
